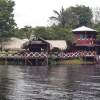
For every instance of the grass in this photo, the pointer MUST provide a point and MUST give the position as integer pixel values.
(74, 61)
(7, 53)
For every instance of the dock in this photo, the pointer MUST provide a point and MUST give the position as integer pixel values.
(32, 58)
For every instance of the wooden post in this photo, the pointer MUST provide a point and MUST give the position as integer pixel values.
(36, 62)
(6, 61)
(47, 61)
(25, 61)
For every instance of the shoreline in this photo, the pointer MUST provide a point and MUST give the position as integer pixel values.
(12, 58)
(71, 62)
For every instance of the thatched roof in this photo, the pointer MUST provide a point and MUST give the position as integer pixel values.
(14, 43)
(60, 44)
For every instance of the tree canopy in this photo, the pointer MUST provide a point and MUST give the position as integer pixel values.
(73, 16)
(7, 22)
(24, 32)
(84, 15)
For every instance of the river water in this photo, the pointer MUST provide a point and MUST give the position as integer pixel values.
(63, 82)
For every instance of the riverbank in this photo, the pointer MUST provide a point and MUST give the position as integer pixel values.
(74, 61)
(34, 59)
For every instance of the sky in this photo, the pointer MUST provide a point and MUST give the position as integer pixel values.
(37, 12)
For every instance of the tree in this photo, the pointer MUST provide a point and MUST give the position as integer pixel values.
(41, 32)
(7, 22)
(65, 18)
(24, 32)
(73, 16)
(84, 14)
(28, 31)
(60, 17)
(62, 34)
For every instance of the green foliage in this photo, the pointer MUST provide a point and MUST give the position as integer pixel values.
(61, 17)
(97, 27)
(73, 16)
(84, 14)
(7, 23)
(41, 32)
(25, 32)
(54, 33)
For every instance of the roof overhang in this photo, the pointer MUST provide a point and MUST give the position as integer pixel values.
(84, 29)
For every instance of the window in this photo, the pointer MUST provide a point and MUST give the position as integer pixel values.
(83, 36)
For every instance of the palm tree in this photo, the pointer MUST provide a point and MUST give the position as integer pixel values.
(65, 18)
(60, 17)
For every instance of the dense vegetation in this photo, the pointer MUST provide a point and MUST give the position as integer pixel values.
(63, 22)
(7, 23)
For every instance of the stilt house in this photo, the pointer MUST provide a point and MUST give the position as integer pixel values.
(85, 40)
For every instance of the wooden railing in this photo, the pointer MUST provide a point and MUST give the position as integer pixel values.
(26, 55)
(46, 55)
(76, 54)
(85, 41)
(36, 54)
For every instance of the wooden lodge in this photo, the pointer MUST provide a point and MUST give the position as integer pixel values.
(85, 42)
(84, 36)
(85, 45)
(33, 52)
(36, 51)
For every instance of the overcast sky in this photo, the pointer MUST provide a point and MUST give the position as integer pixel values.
(37, 12)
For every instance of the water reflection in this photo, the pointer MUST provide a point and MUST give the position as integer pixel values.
(79, 82)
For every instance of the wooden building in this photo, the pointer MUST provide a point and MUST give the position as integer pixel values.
(85, 41)
(37, 45)
(84, 37)
(36, 51)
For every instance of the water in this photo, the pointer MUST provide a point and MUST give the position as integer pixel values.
(64, 82)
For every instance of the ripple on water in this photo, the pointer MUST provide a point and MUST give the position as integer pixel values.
(49, 83)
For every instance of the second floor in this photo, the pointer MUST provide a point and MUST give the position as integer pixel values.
(84, 39)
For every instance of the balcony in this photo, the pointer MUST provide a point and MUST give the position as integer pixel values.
(85, 41)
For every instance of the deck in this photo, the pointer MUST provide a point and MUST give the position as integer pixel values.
(32, 58)
(41, 58)
(66, 55)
